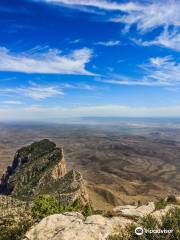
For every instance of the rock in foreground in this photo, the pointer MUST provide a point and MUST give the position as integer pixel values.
(134, 211)
(72, 225)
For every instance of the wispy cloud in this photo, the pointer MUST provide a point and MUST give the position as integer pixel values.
(123, 80)
(40, 92)
(34, 91)
(101, 4)
(152, 15)
(158, 71)
(146, 16)
(163, 69)
(12, 102)
(51, 62)
(169, 39)
(109, 43)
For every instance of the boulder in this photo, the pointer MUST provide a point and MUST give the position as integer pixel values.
(70, 226)
(134, 211)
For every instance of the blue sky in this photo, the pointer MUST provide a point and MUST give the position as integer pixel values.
(73, 58)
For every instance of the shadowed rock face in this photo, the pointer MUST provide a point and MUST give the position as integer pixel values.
(33, 165)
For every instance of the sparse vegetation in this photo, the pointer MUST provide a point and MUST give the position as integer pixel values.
(170, 221)
(171, 199)
(11, 231)
(115, 237)
(45, 205)
(87, 211)
(160, 204)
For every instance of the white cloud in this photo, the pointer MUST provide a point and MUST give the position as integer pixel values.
(109, 43)
(51, 61)
(134, 82)
(158, 71)
(106, 5)
(146, 16)
(152, 15)
(81, 86)
(164, 14)
(36, 92)
(163, 69)
(12, 102)
(165, 39)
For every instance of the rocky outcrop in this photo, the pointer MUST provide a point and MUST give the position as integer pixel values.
(9, 206)
(134, 211)
(40, 168)
(70, 188)
(74, 226)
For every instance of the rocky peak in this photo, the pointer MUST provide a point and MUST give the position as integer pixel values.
(30, 165)
(40, 168)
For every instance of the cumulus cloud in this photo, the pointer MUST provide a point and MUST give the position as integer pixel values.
(49, 62)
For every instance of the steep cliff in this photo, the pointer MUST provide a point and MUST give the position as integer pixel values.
(40, 168)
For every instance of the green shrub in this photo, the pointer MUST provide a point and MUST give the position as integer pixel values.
(76, 206)
(43, 206)
(87, 211)
(172, 221)
(160, 204)
(115, 237)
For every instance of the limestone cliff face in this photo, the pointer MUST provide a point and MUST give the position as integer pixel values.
(40, 168)
(60, 169)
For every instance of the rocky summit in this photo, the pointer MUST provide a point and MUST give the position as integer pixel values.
(40, 168)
